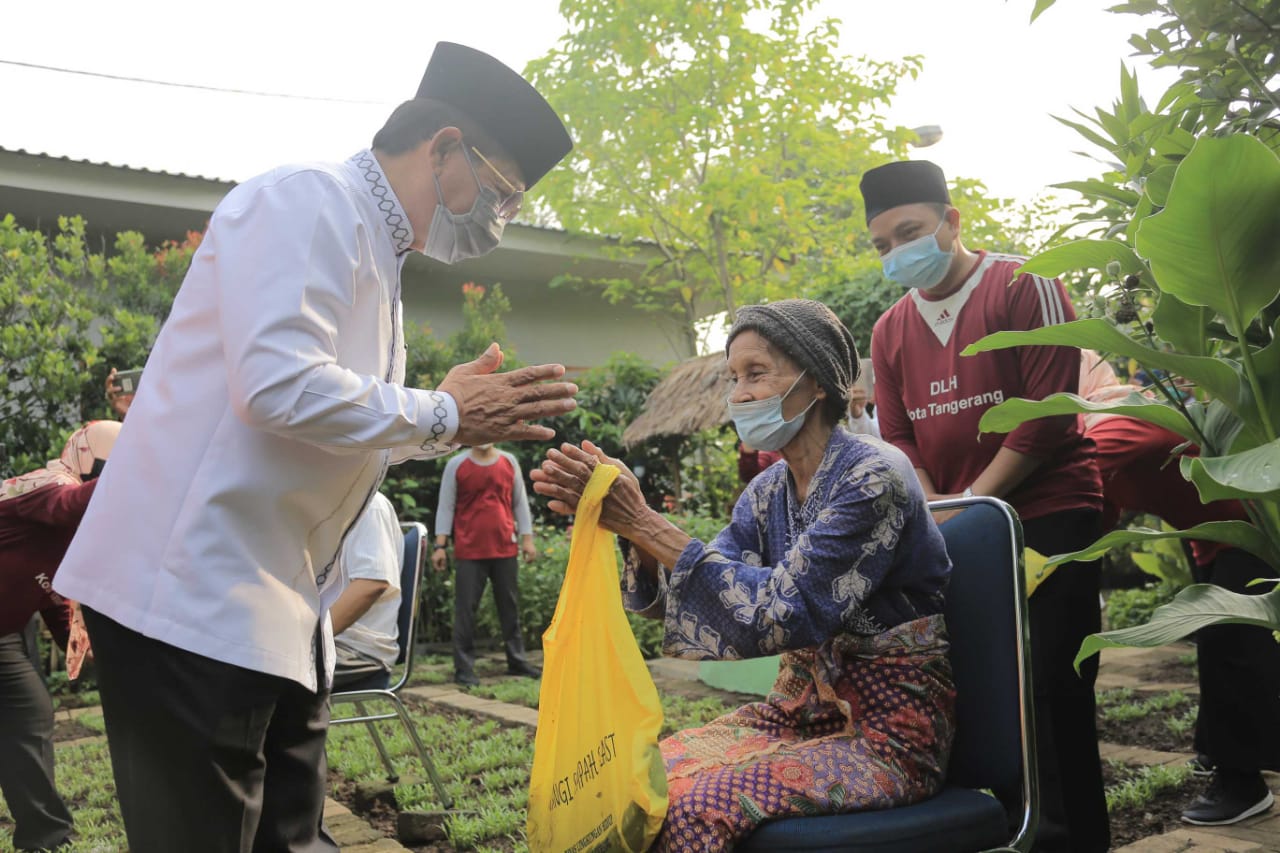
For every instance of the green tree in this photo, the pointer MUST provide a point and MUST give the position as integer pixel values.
(726, 134)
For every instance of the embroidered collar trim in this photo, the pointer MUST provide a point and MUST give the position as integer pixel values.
(393, 214)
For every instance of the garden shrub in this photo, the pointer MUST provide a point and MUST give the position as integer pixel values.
(1129, 607)
(67, 316)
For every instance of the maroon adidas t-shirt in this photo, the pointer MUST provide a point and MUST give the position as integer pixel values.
(929, 398)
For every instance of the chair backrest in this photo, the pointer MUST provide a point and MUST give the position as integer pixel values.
(990, 641)
(411, 565)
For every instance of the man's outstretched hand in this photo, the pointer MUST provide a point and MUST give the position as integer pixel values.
(496, 406)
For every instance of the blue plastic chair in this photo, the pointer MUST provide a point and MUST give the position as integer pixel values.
(995, 734)
(411, 567)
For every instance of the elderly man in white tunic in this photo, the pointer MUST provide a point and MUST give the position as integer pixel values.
(274, 402)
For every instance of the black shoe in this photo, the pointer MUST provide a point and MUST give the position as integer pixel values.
(1202, 765)
(466, 679)
(526, 669)
(1233, 795)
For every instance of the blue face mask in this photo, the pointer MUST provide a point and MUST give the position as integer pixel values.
(760, 423)
(921, 263)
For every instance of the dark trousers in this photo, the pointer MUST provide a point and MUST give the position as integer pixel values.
(1063, 611)
(472, 576)
(26, 750)
(209, 756)
(1238, 726)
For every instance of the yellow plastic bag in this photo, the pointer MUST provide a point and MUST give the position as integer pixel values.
(1037, 569)
(598, 779)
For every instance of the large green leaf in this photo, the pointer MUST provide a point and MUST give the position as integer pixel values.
(1094, 188)
(1217, 241)
(1251, 475)
(1195, 607)
(1219, 378)
(1083, 254)
(1158, 184)
(1220, 428)
(1182, 325)
(1011, 414)
(1266, 363)
(1237, 534)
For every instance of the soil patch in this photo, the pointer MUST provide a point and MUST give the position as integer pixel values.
(64, 730)
(1149, 732)
(1161, 814)
(1168, 672)
(380, 816)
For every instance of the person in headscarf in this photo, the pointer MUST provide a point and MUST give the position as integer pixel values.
(39, 512)
(832, 560)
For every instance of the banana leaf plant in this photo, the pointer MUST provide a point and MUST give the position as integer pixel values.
(1210, 257)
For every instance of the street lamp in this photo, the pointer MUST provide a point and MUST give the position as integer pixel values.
(926, 135)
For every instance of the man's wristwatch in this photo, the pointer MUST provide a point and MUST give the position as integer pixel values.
(439, 547)
(967, 493)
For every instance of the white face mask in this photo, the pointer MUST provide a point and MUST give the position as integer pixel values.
(455, 237)
(760, 423)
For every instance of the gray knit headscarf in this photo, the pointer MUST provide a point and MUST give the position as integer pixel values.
(811, 335)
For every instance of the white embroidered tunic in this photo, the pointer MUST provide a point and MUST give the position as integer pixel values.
(271, 406)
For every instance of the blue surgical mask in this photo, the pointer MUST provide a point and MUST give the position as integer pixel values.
(455, 237)
(760, 423)
(920, 263)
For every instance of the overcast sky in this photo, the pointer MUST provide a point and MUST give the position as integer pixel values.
(991, 79)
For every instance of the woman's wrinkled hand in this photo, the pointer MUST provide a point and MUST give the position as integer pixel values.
(563, 478)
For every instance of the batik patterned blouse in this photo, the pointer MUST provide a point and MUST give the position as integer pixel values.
(860, 555)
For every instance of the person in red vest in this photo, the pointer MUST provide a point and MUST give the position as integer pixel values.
(483, 506)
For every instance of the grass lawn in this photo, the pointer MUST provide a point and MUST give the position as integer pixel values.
(84, 780)
(485, 765)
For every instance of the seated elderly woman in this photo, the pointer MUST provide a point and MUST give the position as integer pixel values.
(831, 559)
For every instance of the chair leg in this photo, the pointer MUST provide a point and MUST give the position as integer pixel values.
(392, 775)
(445, 799)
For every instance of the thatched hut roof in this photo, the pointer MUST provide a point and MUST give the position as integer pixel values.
(690, 399)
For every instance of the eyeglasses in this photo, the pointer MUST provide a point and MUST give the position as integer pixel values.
(509, 206)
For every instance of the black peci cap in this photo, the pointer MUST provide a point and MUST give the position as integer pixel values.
(904, 182)
(500, 101)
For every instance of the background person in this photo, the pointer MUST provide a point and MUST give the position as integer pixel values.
(273, 403)
(1238, 665)
(119, 398)
(484, 507)
(862, 402)
(833, 560)
(39, 512)
(930, 402)
(366, 615)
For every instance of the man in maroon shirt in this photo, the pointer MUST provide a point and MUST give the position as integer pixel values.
(39, 513)
(930, 401)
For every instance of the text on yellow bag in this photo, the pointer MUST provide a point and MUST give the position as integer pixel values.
(598, 780)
